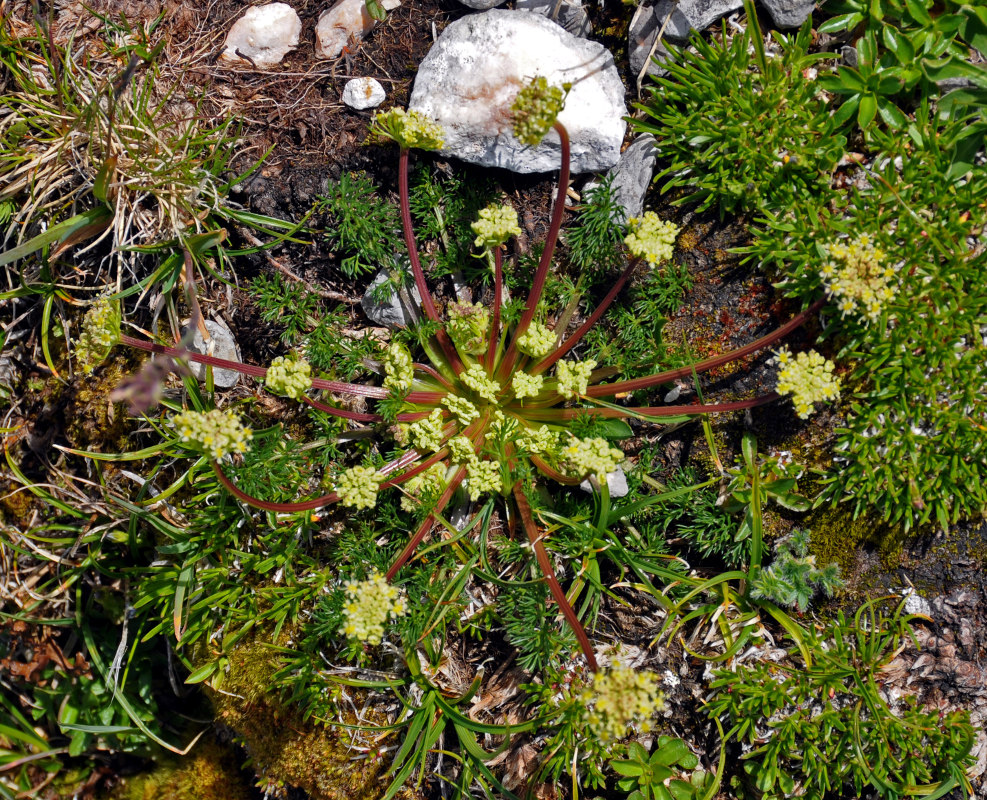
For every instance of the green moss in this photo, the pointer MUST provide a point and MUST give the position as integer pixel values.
(210, 772)
(92, 420)
(286, 750)
(837, 537)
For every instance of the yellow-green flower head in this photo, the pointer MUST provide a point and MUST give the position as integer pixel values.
(573, 376)
(536, 108)
(461, 450)
(497, 224)
(484, 478)
(651, 238)
(426, 434)
(100, 331)
(468, 325)
(475, 378)
(215, 433)
(461, 408)
(620, 698)
(399, 370)
(289, 377)
(369, 605)
(427, 485)
(357, 487)
(582, 457)
(539, 440)
(537, 341)
(526, 385)
(856, 277)
(409, 129)
(808, 378)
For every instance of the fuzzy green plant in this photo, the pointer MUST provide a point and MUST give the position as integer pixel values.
(495, 404)
(793, 577)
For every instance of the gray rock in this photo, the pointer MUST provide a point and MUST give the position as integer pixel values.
(394, 311)
(688, 15)
(641, 38)
(221, 344)
(361, 93)
(788, 13)
(632, 176)
(482, 5)
(616, 481)
(471, 77)
(915, 603)
(570, 14)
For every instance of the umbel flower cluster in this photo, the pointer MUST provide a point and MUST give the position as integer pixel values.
(857, 278)
(808, 378)
(489, 410)
(100, 331)
(368, 607)
(621, 698)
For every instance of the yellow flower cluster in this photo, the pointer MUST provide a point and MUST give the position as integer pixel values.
(427, 484)
(537, 341)
(539, 440)
(409, 129)
(399, 370)
(651, 238)
(369, 605)
(426, 434)
(483, 477)
(462, 408)
(461, 450)
(619, 698)
(573, 376)
(100, 331)
(215, 433)
(289, 377)
(475, 378)
(583, 457)
(535, 109)
(808, 378)
(357, 487)
(495, 226)
(468, 325)
(856, 276)
(526, 385)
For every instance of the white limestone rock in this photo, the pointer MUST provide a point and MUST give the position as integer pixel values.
(631, 177)
(394, 311)
(471, 77)
(347, 21)
(687, 15)
(570, 14)
(362, 93)
(616, 483)
(482, 5)
(221, 344)
(263, 35)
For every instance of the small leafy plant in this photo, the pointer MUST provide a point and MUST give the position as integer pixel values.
(653, 777)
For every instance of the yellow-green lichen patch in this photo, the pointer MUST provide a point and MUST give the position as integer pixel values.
(286, 750)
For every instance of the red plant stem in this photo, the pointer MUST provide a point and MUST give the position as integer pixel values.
(267, 505)
(611, 389)
(498, 298)
(508, 363)
(545, 564)
(564, 414)
(428, 304)
(426, 525)
(550, 472)
(434, 373)
(581, 331)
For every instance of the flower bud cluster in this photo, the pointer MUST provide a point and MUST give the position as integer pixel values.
(399, 370)
(620, 698)
(651, 238)
(497, 224)
(475, 378)
(426, 485)
(536, 108)
(426, 434)
(808, 378)
(289, 377)
(461, 450)
(462, 408)
(856, 276)
(409, 129)
(215, 433)
(539, 440)
(100, 331)
(526, 385)
(369, 605)
(357, 487)
(573, 377)
(582, 457)
(468, 325)
(483, 477)
(537, 341)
